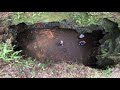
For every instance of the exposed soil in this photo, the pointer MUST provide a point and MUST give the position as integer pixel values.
(44, 44)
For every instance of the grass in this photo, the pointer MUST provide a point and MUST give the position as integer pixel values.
(7, 54)
(84, 18)
(80, 18)
(107, 72)
(33, 17)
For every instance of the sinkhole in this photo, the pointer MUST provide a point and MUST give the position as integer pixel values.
(43, 41)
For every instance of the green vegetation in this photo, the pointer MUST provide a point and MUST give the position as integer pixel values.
(107, 72)
(7, 54)
(34, 17)
(84, 18)
(81, 18)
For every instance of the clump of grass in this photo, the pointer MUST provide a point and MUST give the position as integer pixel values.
(7, 53)
(107, 72)
(81, 18)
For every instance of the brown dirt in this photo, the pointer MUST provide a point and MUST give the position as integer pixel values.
(43, 44)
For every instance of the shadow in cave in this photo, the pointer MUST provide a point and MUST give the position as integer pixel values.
(42, 44)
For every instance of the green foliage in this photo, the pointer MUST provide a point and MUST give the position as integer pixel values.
(81, 18)
(19, 17)
(107, 72)
(7, 54)
(84, 18)
(34, 17)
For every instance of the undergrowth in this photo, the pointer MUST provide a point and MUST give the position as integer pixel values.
(84, 18)
(34, 17)
(7, 53)
(107, 72)
(80, 18)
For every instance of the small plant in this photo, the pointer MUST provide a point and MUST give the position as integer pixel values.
(7, 53)
(107, 72)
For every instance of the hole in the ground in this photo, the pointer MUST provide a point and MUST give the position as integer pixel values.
(59, 45)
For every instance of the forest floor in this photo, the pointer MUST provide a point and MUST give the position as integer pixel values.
(30, 68)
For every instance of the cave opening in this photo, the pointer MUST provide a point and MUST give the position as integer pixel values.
(43, 43)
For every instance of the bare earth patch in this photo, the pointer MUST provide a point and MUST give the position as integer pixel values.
(58, 70)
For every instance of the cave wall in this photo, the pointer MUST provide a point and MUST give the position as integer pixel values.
(110, 44)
